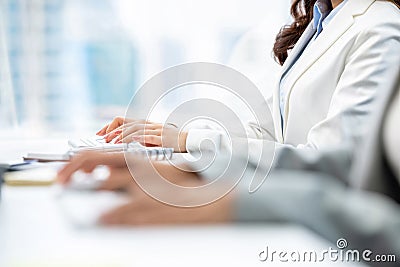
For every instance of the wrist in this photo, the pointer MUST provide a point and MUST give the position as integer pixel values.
(182, 141)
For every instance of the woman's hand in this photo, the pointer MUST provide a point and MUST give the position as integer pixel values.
(88, 161)
(116, 123)
(149, 134)
(144, 210)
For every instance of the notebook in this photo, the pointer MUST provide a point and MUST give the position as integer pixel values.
(32, 177)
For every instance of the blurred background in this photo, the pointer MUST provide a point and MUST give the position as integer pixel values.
(74, 64)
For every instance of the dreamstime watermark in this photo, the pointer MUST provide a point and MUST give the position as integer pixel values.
(338, 254)
(226, 99)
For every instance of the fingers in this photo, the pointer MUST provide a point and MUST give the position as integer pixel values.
(118, 131)
(87, 161)
(130, 137)
(148, 140)
(141, 128)
(144, 210)
(113, 134)
(119, 178)
(117, 122)
(124, 134)
(115, 216)
(102, 131)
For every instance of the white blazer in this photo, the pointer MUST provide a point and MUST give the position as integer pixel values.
(333, 85)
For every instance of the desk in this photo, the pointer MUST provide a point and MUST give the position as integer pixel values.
(35, 232)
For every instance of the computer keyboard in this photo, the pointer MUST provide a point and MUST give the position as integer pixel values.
(99, 144)
(88, 142)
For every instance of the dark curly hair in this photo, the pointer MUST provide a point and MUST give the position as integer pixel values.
(302, 12)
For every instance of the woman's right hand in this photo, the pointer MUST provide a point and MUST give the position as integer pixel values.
(116, 123)
(123, 130)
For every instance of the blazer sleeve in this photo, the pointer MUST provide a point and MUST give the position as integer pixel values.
(221, 140)
(327, 206)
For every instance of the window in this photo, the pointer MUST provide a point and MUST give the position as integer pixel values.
(75, 63)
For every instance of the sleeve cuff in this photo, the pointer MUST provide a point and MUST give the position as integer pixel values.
(203, 139)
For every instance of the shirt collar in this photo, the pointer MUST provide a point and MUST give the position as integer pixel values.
(322, 8)
(323, 13)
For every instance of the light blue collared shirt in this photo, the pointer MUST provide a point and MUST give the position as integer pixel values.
(321, 21)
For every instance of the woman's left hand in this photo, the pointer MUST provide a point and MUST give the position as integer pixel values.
(144, 210)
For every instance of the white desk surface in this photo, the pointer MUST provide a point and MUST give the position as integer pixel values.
(35, 232)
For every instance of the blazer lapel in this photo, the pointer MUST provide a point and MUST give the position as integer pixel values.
(339, 25)
(298, 48)
(276, 114)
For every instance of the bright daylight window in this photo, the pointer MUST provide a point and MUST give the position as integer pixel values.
(77, 63)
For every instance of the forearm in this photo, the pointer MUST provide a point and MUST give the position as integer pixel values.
(325, 205)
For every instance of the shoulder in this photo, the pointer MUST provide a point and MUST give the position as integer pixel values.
(380, 20)
(380, 13)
